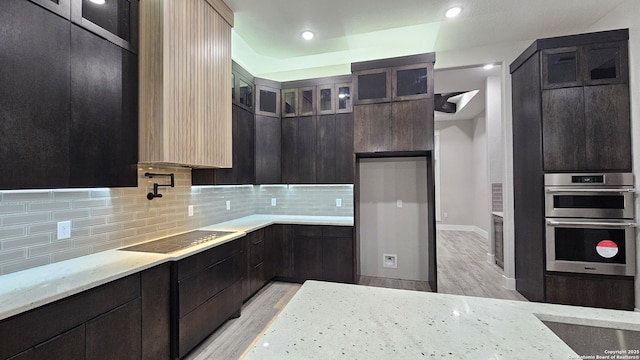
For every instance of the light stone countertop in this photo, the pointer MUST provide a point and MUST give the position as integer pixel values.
(340, 321)
(28, 289)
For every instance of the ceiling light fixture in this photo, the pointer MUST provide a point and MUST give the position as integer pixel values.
(307, 35)
(488, 67)
(99, 2)
(453, 12)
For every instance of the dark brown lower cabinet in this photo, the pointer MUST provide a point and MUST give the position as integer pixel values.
(207, 291)
(116, 334)
(610, 292)
(323, 253)
(280, 251)
(127, 318)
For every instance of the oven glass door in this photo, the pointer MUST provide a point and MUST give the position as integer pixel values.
(594, 246)
(611, 204)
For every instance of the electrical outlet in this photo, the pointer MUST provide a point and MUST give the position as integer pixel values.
(338, 202)
(228, 204)
(390, 261)
(190, 210)
(64, 230)
(273, 201)
(446, 214)
(399, 203)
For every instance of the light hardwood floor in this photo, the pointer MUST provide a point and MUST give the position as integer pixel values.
(462, 270)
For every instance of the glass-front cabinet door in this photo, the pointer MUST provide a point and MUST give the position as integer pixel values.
(60, 7)
(411, 82)
(325, 99)
(267, 101)
(561, 68)
(289, 102)
(606, 63)
(115, 20)
(343, 92)
(245, 93)
(307, 101)
(372, 86)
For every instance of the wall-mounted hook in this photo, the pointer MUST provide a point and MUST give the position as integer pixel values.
(154, 194)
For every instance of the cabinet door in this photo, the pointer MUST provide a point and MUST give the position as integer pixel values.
(608, 127)
(372, 86)
(306, 150)
(34, 97)
(606, 63)
(345, 159)
(104, 112)
(307, 101)
(267, 101)
(337, 259)
(268, 147)
(307, 253)
(561, 68)
(590, 291)
(412, 82)
(325, 105)
(245, 159)
(344, 101)
(60, 7)
(289, 102)
(116, 21)
(281, 250)
(289, 150)
(326, 149)
(225, 176)
(563, 130)
(371, 127)
(69, 345)
(116, 334)
(155, 287)
(412, 125)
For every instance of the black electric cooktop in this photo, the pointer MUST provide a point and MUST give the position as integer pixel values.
(178, 242)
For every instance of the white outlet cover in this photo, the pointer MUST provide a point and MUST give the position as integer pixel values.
(338, 202)
(190, 210)
(228, 204)
(273, 202)
(399, 203)
(64, 230)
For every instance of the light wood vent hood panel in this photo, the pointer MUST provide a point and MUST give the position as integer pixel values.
(185, 77)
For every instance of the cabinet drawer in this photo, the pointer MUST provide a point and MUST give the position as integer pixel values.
(201, 322)
(69, 345)
(338, 231)
(116, 334)
(257, 253)
(198, 262)
(196, 290)
(307, 230)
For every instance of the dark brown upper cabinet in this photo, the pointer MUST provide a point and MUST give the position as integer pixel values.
(114, 20)
(326, 104)
(344, 103)
(412, 82)
(60, 7)
(267, 98)
(372, 86)
(307, 101)
(242, 88)
(592, 64)
(289, 102)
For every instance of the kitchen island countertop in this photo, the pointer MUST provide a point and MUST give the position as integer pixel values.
(28, 289)
(340, 321)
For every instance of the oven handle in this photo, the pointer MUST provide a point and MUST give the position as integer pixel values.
(590, 223)
(559, 189)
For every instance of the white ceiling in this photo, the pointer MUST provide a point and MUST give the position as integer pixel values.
(267, 39)
(465, 79)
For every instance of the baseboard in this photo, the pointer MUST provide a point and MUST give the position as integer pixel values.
(491, 258)
(509, 283)
(472, 228)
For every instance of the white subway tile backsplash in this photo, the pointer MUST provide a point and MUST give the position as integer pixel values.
(104, 219)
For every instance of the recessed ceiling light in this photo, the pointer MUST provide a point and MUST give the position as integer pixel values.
(453, 12)
(488, 66)
(99, 2)
(307, 35)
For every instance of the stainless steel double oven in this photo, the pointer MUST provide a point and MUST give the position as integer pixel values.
(590, 223)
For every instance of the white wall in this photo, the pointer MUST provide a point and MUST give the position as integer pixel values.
(384, 228)
(464, 187)
(495, 143)
(627, 15)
